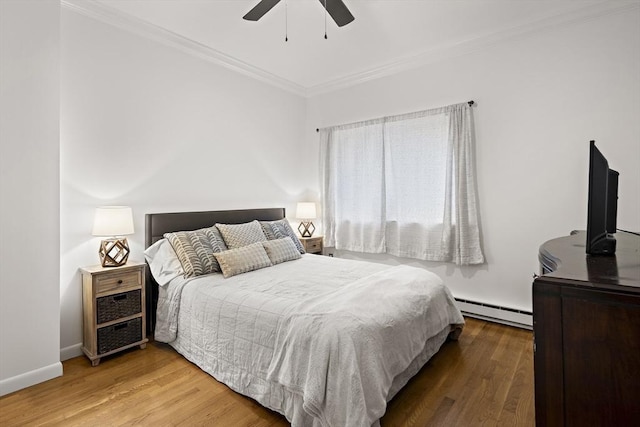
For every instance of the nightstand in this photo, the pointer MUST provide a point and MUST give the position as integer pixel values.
(113, 304)
(312, 245)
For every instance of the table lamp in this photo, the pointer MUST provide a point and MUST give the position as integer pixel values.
(114, 222)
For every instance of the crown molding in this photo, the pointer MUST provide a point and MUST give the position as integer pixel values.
(480, 42)
(142, 28)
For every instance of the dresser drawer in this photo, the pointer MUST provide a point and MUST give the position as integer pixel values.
(117, 281)
(117, 306)
(119, 335)
(314, 246)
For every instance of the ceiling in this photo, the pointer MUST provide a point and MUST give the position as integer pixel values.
(386, 35)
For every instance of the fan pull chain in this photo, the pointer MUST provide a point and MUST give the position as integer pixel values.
(325, 19)
(286, 21)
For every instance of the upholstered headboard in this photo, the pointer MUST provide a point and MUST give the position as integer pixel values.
(158, 224)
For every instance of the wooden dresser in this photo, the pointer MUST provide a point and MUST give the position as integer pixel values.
(312, 245)
(113, 300)
(586, 323)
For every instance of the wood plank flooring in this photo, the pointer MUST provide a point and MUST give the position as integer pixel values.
(484, 379)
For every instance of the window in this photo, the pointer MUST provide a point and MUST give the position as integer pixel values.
(404, 185)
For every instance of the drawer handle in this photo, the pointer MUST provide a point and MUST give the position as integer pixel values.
(121, 326)
(120, 282)
(120, 297)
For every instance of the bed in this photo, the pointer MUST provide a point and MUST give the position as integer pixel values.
(323, 341)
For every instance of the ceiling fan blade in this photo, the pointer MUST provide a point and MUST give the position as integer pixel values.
(338, 11)
(260, 9)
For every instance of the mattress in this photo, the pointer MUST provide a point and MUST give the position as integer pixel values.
(323, 341)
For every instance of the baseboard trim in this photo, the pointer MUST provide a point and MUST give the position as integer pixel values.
(494, 313)
(70, 352)
(30, 378)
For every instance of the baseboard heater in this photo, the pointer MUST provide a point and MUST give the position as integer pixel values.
(495, 313)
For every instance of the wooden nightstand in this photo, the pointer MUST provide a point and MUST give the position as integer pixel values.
(113, 303)
(313, 245)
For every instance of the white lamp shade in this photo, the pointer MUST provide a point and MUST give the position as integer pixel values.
(306, 210)
(113, 221)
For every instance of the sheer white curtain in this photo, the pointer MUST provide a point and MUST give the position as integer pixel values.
(404, 185)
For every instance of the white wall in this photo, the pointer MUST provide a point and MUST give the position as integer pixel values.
(540, 99)
(29, 193)
(148, 126)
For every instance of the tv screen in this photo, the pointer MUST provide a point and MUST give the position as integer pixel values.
(602, 204)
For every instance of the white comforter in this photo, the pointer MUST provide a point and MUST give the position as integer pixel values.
(319, 339)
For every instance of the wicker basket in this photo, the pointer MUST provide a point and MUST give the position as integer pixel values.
(116, 306)
(118, 335)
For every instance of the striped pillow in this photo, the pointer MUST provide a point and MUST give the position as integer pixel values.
(216, 239)
(242, 260)
(267, 229)
(239, 235)
(195, 250)
(280, 229)
(281, 250)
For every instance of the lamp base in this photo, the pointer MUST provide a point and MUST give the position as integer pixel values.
(306, 229)
(114, 252)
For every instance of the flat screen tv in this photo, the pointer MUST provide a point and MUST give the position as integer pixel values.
(602, 205)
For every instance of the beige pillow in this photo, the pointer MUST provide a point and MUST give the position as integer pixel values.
(281, 250)
(244, 259)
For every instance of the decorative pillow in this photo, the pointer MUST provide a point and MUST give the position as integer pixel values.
(268, 230)
(241, 260)
(163, 262)
(281, 250)
(281, 229)
(195, 250)
(239, 235)
(217, 241)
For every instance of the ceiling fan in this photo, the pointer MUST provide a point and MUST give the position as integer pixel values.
(335, 8)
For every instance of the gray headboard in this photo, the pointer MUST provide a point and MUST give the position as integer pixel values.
(158, 224)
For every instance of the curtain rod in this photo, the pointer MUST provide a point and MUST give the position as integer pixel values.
(470, 105)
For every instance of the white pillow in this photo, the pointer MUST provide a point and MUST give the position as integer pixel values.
(163, 262)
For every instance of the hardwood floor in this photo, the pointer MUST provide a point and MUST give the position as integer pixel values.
(486, 378)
